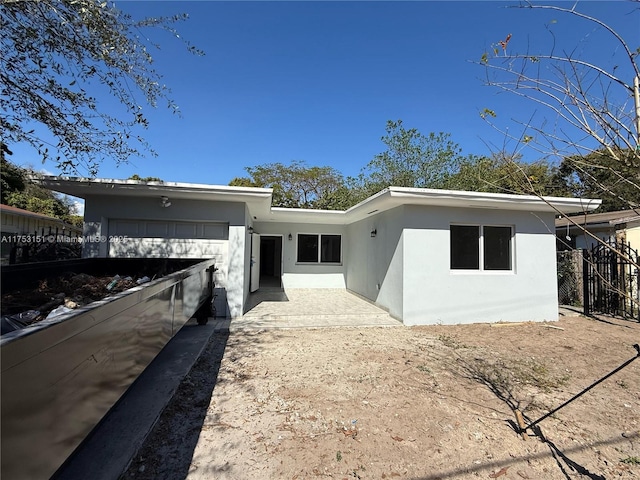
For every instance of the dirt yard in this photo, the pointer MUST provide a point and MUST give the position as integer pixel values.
(404, 403)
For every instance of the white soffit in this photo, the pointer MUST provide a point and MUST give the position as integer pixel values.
(257, 199)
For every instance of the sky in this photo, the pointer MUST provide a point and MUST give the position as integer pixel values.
(317, 81)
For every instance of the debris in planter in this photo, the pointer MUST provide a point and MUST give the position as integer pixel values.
(61, 294)
(58, 311)
(46, 289)
(70, 304)
(9, 323)
(113, 282)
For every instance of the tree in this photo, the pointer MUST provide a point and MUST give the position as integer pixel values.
(600, 176)
(502, 173)
(12, 177)
(411, 160)
(297, 185)
(137, 177)
(594, 124)
(18, 190)
(54, 56)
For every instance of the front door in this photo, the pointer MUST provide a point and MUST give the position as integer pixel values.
(255, 262)
(271, 261)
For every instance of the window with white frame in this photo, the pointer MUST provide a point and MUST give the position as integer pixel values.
(319, 248)
(481, 247)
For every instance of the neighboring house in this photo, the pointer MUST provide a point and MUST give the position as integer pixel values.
(623, 226)
(427, 256)
(18, 226)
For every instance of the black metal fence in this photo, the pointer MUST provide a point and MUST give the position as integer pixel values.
(610, 277)
(46, 245)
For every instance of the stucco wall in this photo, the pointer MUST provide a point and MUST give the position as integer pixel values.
(374, 265)
(435, 294)
(587, 242)
(295, 275)
(229, 252)
(633, 235)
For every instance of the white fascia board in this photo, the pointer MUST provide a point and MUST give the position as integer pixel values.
(394, 196)
(106, 186)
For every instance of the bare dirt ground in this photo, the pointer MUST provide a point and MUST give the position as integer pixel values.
(404, 403)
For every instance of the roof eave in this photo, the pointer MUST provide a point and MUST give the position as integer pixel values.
(394, 196)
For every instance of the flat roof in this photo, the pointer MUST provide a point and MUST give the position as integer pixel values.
(392, 197)
(259, 200)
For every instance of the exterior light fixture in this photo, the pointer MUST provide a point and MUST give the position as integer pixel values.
(165, 202)
(374, 232)
(290, 237)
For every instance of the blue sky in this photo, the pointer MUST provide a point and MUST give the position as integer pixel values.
(317, 81)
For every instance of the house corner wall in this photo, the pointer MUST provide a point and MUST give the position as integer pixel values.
(375, 263)
(237, 275)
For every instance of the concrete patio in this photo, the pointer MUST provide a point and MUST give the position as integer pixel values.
(309, 308)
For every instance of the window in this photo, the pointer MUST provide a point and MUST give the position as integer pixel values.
(307, 248)
(476, 247)
(319, 248)
(497, 248)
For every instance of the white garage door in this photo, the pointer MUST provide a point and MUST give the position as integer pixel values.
(173, 239)
(168, 229)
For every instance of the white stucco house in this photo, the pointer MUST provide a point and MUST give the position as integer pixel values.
(426, 256)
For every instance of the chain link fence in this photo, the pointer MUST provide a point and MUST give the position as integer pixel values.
(570, 286)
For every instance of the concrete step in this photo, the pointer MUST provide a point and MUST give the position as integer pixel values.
(270, 321)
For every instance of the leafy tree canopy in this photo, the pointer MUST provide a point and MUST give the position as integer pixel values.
(137, 177)
(504, 173)
(613, 178)
(411, 160)
(54, 55)
(19, 191)
(298, 185)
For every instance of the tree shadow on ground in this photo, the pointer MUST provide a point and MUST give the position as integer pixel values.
(560, 456)
(507, 380)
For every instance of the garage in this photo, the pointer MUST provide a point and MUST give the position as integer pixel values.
(168, 239)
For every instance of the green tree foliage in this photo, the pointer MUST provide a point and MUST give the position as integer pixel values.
(584, 115)
(55, 55)
(297, 185)
(137, 177)
(614, 179)
(12, 178)
(19, 191)
(504, 173)
(411, 160)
